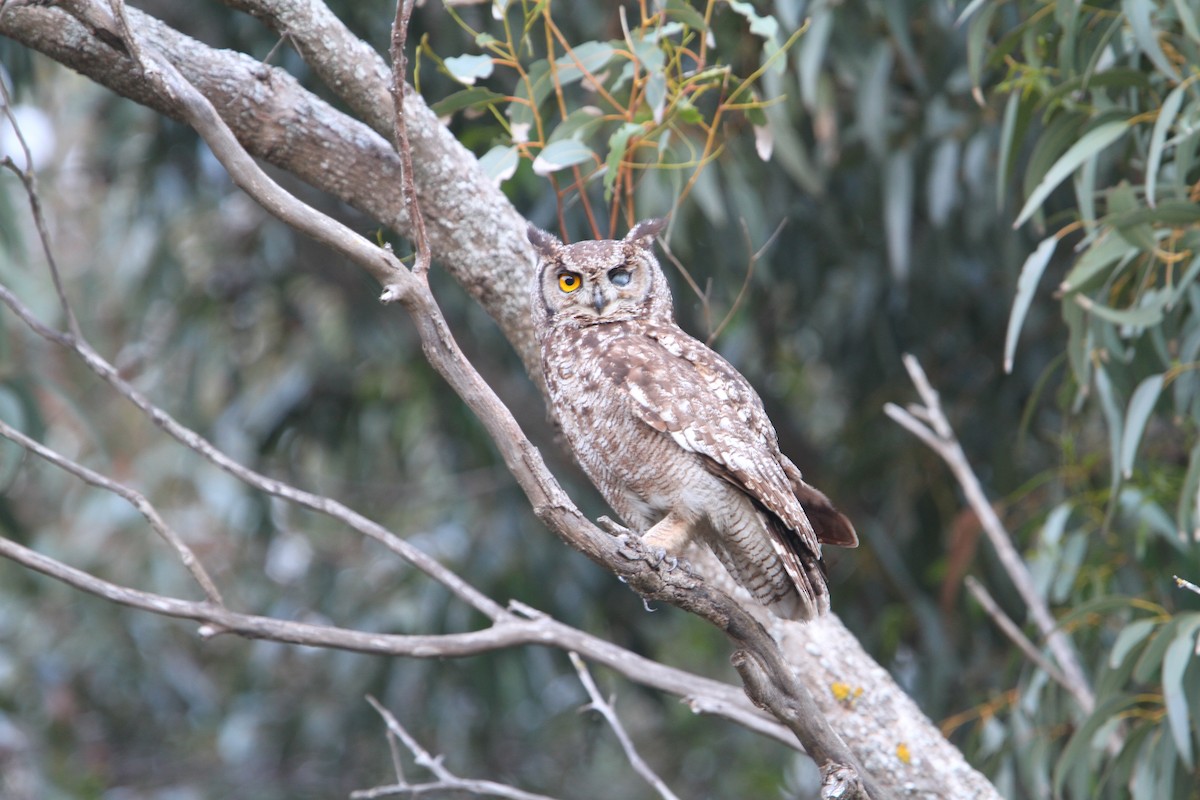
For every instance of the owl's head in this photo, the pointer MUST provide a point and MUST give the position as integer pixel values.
(593, 282)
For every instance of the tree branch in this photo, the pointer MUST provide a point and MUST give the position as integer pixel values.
(606, 710)
(446, 781)
(477, 236)
(930, 425)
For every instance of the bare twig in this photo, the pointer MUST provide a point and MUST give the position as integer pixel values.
(1185, 584)
(134, 497)
(929, 424)
(29, 179)
(194, 441)
(702, 695)
(483, 225)
(600, 704)
(399, 70)
(751, 261)
(446, 781)
(1012, 630)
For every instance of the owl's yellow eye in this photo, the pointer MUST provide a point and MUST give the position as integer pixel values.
(569, 282)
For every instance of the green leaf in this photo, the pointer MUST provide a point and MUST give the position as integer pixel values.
(469, 68)
(1079, 343)
(942, 185)
(1130, 637)
(467, 98)
(687, 112)
(1146, 34)
(500, 163)
(897, 211)
(1187, 16)
(872, 101)
(562, 154)
(1142, 316)
(1110, 248)
(1087, 147)
(1162, 125)
(592, 56)
(1178, 657)
(534, 90)
(1076, 755)
(977, 46)
(1016, 117)
(1151, 659)
(656, 94)
(1136, 417)
(686, 14)
(1027, 283)
(617, 144)
(1176, 213)
(765, 27)
(1185, 514)
(1112, 417)
(579, 124)
(813, 47)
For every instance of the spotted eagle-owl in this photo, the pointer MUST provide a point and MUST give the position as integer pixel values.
(671, 434)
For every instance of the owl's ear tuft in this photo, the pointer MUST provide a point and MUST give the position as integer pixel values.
(546, 243)
(644, 232)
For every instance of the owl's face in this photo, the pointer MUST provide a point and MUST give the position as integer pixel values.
(594, 282)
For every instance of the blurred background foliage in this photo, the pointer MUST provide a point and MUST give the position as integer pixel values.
(904, 140)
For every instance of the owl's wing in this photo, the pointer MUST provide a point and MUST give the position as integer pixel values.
(678, 386)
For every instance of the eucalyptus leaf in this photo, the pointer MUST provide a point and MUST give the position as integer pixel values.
(469, 68)
(500, 163)
(561, 155)
(1087, 147)
(1146, 34)
(1113, 418)
(1136, 417)
(588, 58)
(1179, 656)
(897, 212)
(617, 144)
(813, 47)
(1027, 283)
(1130, 637)
(474, 97)
(1103, 252)
(1158, 137)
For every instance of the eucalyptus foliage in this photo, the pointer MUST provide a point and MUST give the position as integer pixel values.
(1101, 123)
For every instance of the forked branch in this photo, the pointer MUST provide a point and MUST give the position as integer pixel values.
(929, 424)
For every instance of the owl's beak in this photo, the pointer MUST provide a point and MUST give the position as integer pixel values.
(597, 299)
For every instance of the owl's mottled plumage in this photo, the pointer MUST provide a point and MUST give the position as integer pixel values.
(671, 434)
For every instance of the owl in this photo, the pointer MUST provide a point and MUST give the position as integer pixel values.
(673, 436)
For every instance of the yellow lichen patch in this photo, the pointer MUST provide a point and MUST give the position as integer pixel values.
(903, 754)
(845, 693)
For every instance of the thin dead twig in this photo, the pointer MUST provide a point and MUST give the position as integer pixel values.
(446, 781)
(132, 496)
(930, 425)
(1186, 584)
(420, 268)
(606, 710)
(1012, 630)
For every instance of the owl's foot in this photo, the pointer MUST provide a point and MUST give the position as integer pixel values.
(661, 557)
